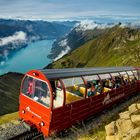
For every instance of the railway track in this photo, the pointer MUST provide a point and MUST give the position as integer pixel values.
(33, 135)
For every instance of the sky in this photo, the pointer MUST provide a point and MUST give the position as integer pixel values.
(61, 9)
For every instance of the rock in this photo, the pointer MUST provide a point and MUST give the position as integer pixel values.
(133, 134)
(111, 137)
(110, 129)
(133, 109)
(124, 115)
(138, 105)
(136, 119)
(124, 126)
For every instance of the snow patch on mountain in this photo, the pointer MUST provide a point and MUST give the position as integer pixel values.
(19, 36)
(90, 25)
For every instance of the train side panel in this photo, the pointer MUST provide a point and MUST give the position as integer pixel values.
(65, 117)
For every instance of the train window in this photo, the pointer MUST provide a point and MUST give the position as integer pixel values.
(114, 74)
(58, 93)
(37, 90)
(132, 78)
(106, 82)
(75, 89)
(116, 80)
(135, 74)
(105, 76)
(125, 78)
(93, 85)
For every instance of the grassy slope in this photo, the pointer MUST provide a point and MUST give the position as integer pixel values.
(8, 118)
(116, 47)
(9, 92)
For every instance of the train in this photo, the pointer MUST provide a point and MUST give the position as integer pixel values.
(53, 100)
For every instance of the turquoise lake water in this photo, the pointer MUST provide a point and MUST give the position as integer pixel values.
(34, 56)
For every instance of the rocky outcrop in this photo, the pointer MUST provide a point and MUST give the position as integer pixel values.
(127, 127)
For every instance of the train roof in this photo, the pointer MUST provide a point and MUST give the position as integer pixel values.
(75, 72)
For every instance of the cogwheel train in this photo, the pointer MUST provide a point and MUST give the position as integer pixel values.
(52, 100)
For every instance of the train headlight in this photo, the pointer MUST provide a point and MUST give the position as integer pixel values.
(42, 124)
(23, 111)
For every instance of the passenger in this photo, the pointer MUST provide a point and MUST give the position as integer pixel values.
(123, 80)
(126, 81)
(107, 83)
(30, 87)
(113, 82)
(91, 89)
(110, 84)
(118, 82)
(98, 88)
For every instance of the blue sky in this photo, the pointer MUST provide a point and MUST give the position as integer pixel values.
(59, 9)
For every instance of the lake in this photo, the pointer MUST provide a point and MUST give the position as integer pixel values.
(34, 56)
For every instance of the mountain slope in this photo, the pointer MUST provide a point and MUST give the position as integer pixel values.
(116, 47)
(82, 33)
(9, 92)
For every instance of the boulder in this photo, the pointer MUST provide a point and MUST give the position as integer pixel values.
(133, 134)
(123, 126)
(110, 129)
(124, 115)
(133, 109)
(136, 119)
(138, 105)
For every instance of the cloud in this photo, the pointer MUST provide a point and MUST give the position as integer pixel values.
(63, 43)
(19, 36)
(63, 52)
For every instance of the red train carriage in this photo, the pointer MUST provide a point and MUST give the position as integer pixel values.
(55, 99)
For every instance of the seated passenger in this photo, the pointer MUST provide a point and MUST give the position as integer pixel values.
(91, 89)
(107, 83)
(123, 80)
(98, 88)
(118, 82)
(110, 84)
(113, 82)
(126, 81)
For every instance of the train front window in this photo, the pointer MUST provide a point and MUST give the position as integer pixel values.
(37, 90)
(75, 89)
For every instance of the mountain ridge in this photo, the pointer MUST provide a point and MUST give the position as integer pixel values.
(116, 47)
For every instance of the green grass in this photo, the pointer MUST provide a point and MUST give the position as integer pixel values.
(9, 92)
(9, 118)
